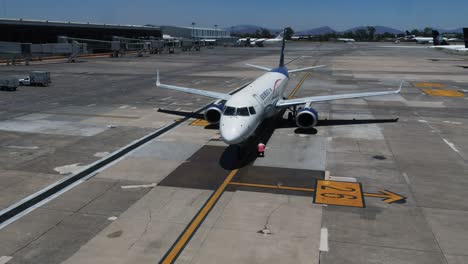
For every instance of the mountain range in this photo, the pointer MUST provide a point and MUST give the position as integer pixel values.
(250, 29)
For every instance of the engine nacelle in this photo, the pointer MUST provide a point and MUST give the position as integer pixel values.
(213, 113)
(306, 118)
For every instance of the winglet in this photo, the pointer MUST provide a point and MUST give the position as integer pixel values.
(401, 85)
(157, 78)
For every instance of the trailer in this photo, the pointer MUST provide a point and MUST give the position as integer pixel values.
(9, 84)
(186, 44)
(41, 78)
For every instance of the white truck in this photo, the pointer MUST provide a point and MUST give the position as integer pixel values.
(41, 78)
(9, 84)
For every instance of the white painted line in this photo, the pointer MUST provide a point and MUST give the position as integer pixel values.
(451, 145)
(124, 106)
(327, 175)
(406, 178)
(152, 185)
(166, 98)
(112, 218)
(344, 179)
(5, 259)
(21, 147)
(453, 123)
(323, 239)
(422, 121)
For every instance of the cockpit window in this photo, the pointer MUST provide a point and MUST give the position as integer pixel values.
(230, 111)
(252, 110)
(242, 111)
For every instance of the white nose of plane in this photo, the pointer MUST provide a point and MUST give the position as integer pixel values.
(232, 132)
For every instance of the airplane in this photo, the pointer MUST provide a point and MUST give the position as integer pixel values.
(346, 40)
(424, 40)
(269, 41)
(240, 114)
(246, 42)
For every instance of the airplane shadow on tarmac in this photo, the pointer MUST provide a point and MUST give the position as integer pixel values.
(238, 156)
(235, 157)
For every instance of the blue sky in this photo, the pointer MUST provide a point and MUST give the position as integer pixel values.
(300, 14)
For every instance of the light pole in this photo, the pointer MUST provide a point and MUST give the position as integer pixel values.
(193, 30)
(216, 33)
(197, 45)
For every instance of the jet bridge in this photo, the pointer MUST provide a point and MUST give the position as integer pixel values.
(14, 52)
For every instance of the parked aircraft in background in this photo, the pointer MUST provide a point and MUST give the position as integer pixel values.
(263, 42)
(246, 42)
(347, 40)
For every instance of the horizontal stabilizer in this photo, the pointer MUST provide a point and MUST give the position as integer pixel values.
(305, 69)
(258, 67)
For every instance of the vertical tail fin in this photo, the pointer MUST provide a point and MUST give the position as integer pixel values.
(279, 36)
(281, 62)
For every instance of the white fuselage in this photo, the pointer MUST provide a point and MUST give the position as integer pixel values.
(423, 40)
(238, 121)
(272, 42)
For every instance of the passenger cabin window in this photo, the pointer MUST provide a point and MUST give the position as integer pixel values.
(242, 111)
(230, 111)
(252, 110)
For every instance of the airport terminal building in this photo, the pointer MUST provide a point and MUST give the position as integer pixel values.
(36, 31)
(197, 33)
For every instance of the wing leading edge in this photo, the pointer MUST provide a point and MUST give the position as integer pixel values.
(313, 99)
(191, 90)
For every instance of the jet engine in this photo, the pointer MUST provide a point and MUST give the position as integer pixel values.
(213, 113)
(306, 118)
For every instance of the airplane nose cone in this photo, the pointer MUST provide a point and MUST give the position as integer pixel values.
(230, 133)
(231, 136)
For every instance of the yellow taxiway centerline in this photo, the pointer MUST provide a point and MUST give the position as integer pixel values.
(293, 93)
(176, 249)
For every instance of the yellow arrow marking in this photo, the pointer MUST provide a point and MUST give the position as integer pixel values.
(388, 196)
(280, 187)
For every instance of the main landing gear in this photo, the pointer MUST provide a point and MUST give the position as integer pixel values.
(292, 113)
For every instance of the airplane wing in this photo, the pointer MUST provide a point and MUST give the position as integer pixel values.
(259, 67)
(313, 99)
(192, 90)
(305, 69)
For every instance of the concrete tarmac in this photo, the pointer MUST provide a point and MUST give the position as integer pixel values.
(207, 207)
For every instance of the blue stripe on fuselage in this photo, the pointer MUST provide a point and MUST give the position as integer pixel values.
(282, 70)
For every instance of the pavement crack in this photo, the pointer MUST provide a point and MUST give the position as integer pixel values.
(148, 222)
(266, 230)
